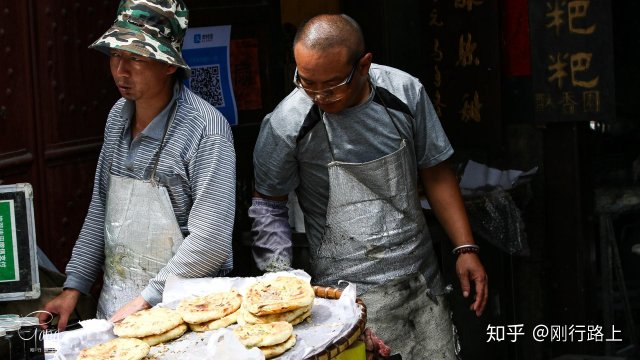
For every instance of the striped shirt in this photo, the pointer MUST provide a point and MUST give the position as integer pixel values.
(197, 166)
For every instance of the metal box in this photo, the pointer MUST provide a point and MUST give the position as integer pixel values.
(19, 278)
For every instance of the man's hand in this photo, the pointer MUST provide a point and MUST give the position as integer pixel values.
(134, 305)
(470, 269)
(376, 348)
(62, 305)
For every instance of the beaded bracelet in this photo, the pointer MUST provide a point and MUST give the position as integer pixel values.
(463, 249)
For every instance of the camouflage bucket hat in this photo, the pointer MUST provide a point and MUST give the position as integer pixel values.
(149, 28)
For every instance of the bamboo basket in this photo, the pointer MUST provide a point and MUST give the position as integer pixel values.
(343, 343)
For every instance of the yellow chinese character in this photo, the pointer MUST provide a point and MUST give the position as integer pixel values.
(556, 14)
(581, 62)
(438, 104)
(437, 76)
(467, 4)
(543, 101)
(465, 52)
(557, 68)
(568, 104)
(434, 18)
(437, 53)
(471, 108)
(591, 101)
(578, 9)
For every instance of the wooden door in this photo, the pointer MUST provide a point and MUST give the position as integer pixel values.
(55, 94)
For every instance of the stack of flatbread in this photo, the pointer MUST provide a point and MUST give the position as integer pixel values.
(153, 326)
(272, 339)
(284, 298)
(211, 312)
(116, 349)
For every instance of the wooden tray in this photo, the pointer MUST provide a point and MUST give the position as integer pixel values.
(340, 345)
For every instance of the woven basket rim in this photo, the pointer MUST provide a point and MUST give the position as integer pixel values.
(344, 342)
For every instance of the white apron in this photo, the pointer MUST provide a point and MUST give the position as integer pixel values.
(376, 237)
(141, 234)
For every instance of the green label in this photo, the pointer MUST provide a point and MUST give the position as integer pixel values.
(8, 243)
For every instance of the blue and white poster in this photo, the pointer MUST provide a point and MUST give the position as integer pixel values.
(206, 51)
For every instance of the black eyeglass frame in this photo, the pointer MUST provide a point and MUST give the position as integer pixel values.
(326, 93)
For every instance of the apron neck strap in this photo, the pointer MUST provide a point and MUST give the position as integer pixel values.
(386, 108)
(376, 96)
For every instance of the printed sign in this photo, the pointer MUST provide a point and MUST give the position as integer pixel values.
(572, 60)
(9, 269)
(206, 51)
(463, 56)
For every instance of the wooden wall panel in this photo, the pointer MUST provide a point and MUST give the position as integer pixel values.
(17, 140)
(67, 203)
(18, 146)
(55, 94)
(75, 88)
(294, 12)
(74, 94)
(463, 77)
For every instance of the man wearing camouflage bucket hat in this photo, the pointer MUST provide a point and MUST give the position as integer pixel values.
(164, 192)
(150, 28)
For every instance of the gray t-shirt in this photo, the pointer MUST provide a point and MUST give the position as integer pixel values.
(292, 151)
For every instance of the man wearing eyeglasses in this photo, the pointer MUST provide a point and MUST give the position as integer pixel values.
(352, 140)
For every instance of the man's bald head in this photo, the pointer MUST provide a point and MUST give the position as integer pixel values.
(325, 32)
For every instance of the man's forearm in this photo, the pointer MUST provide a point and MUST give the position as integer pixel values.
(443, 193)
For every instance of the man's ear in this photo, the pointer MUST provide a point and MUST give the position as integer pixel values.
(365, 62)
(171, 69)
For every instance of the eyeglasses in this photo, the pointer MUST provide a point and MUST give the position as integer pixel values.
(330, 94)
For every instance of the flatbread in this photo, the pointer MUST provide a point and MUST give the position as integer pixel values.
(216, 324)
(252, 335)
(240, 320)
(165, 337)
(116, 349)
(278, 295)
(210, 307)
(148, 322)
(277, 350)
(300, 318)
(288, 316)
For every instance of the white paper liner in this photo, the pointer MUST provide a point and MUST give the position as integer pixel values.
(330, 320)
(70, 343)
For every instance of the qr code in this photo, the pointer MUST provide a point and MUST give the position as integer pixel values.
(205, 81)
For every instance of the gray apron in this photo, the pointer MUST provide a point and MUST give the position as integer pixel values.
(141, 234)
(376, 237)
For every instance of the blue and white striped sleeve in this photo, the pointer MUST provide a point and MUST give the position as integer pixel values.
(208, 245)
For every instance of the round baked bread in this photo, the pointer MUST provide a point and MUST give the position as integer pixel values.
(288, 316)
(252, 335)
(240, 320)
(116, 349)
(166, 336)
(278, 295)
(148, 322)
(301, 318)
(210, 307)
(216, 324)
(277, 350)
